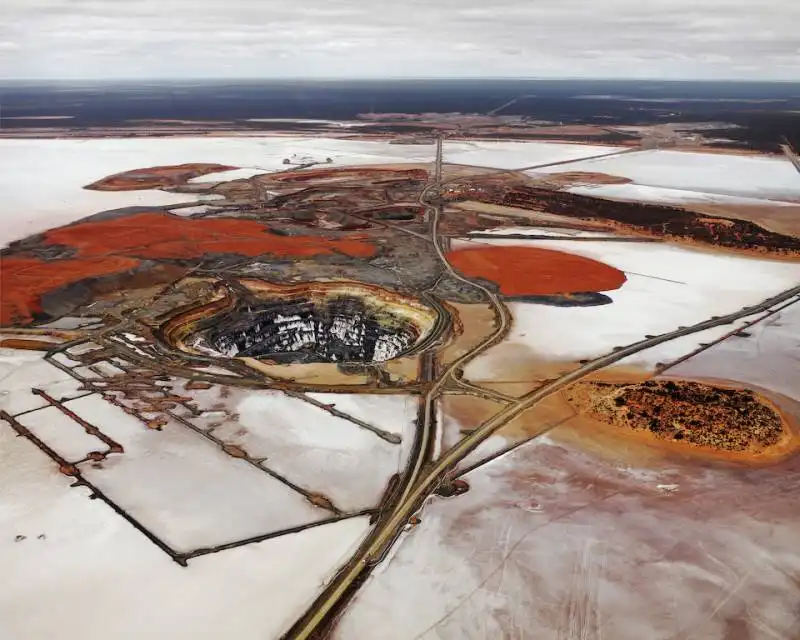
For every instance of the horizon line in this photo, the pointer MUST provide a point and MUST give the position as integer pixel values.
(392, 79)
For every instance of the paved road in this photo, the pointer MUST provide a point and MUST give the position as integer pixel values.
(788, 151)
(503, 318)
(494, 172)
(359, 567)
(379, 541)
(422, 477)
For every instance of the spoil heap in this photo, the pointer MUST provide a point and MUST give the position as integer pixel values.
(700, 414)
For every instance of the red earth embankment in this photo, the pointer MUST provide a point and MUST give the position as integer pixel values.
(369, 173)
(528, 271)
(156, 177)
(114, 246)
(26, 278)
(160, 235)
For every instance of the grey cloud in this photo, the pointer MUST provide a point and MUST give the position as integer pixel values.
(367, 38)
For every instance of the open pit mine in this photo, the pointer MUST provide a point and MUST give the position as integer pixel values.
(303, 324)
(288, 353)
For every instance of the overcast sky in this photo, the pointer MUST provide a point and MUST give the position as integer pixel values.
(752, 39)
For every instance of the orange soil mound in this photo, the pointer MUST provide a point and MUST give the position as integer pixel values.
(160, 235)
(26, 279)
(567, 178)
(155, 177)
(527, 271)
(30, 345)
(114, 246)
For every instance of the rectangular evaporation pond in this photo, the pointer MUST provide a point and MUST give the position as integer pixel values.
(184, 488)
(103, 370)
(61, 433)
(321, 452)
(16, 393)
(63, 358)
(68, 323)
(83, 348)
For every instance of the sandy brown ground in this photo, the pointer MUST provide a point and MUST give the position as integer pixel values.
(605, 438)
(475, 323)
(597, 533)
(27, 344)
(468, 412)
(575, 178)
(570, 544)
(780, 219)
(579, 429)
